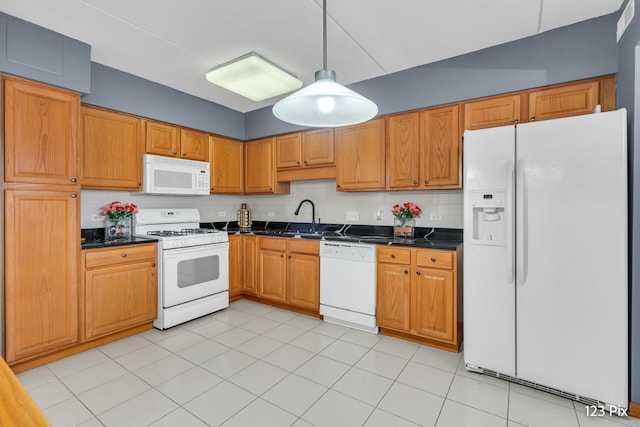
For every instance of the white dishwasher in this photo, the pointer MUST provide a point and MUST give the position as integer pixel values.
(348, 284)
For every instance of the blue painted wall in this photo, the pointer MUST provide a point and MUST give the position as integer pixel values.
(583, 50)
(628, 96)
(117, 90)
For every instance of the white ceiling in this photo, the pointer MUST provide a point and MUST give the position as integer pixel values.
(176, 42)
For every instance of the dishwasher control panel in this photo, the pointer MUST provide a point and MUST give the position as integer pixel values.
(348, 251)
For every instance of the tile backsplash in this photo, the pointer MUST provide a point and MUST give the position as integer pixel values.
(331, 206)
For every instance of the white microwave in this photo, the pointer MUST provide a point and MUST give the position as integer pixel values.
(166, 175)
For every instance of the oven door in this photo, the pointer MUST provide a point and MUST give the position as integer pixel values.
(194, 272)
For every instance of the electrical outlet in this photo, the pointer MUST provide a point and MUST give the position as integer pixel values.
(352, 215)
(435, 217)
(222, 213)
(96, 217)
(271, 214)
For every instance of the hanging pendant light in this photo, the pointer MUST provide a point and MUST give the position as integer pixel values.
(325, 103)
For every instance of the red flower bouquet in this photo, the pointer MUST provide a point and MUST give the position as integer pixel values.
(406, 211)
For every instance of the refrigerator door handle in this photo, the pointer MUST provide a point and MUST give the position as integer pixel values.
(509, 214)
(521, 223)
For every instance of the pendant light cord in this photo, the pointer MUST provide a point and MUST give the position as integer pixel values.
(324, 34)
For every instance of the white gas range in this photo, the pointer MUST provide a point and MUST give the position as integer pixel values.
(193, 264)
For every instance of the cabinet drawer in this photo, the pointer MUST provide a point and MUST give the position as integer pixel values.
(394, 255)
(433, 258)
(273, 243)
(121, 254)
(302, 246)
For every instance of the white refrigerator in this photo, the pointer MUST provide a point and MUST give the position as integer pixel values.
(545, 265)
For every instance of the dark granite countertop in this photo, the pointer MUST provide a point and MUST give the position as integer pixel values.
(93, 238)
(433, 238)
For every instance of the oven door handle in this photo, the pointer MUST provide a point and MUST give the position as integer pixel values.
(195, 249)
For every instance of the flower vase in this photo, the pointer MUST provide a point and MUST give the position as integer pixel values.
(117, 228)
(403, 227)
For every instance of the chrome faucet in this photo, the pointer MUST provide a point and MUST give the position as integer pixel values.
(313, 213)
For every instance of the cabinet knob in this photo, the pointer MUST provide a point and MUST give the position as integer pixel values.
(139, 184)
(281, 256)
(516, 121)
(175, 152)
(418, 273)
(532, 119)
(184, 154)
(433, 259)
(124, 255)
(406, 271)
(415, 182)
(153, 264)
(338, 185)
(289, 257)
(74, 195)
(426, 181)
(393, 256)
(305, 162)
(74, 179)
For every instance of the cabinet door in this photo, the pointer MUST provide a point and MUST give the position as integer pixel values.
(394, 297)
(318, 148)
(360, 156)
(289, 151)
(272, 275)
(492, 112)
(194, 145)
(564, 101)
(41, 252)
(303, 281)
(162, 139)
(258, 169)
(235, 265)
(434, 304)
(403, 155)
(112, 154)
(40, 133)
(440, 151)
(227, 165)
(119, 297)
(250, 252)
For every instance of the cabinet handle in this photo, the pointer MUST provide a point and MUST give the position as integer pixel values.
(433, 259)
(415, 182)
(124, 255)
(74, 180)
(393, 256)
(406, 271)
(74, 195)
(532, 119)
(153, 264)
(418, 273)
(426, 181)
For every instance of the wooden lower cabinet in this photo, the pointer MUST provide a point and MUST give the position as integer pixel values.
(419, 295)
(236, 268)
(289, 273)
(120, 289)
(250, 264)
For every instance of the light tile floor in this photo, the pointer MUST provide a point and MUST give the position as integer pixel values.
(254, 365)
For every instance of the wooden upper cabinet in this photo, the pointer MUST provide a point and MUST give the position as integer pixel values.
(289, 151)
(227, 165)
(318, 148)
(360, 156)
(162, 139)
(259, 168)
(563, 101)
(491, 112)
(173, 141)
(423, 149)
(403, 151)
(441, 151)
(194, 145)
(305, 149)
(112, 149)
(40, 133)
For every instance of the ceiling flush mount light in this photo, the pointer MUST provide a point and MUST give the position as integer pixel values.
(325, 103)
(253, 77)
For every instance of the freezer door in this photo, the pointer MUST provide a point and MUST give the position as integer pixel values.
(489, 285)
(571, 234)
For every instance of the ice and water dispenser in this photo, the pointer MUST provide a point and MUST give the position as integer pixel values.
(489, 226)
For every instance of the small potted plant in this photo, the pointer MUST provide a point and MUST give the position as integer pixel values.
(404, 219)
(117, 224)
